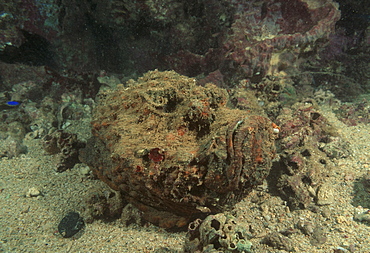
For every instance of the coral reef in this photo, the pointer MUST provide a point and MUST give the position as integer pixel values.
(265, 30)
(172, 146)
(37, 17)
(65, 146)
(181, 152)
(85, 84)
(240, 39)
(354, 113)
(307, 143)
(342, 64)
(12, 74)
(218, 233)
(48, 99)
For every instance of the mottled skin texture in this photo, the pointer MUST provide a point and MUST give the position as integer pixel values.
(172, 146)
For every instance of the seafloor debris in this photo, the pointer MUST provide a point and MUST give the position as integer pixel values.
(103, 203)
(218, 233)
(355, 113)
(361, 191)
(172, 146)
(65, 146)
(363, 217)
(308, 143)
(71, 224)
(279, 241)
(33, 192)
(11, 147)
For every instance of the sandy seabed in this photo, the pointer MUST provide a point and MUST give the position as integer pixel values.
(29, 224)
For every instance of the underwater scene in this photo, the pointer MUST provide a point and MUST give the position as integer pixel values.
(185, 126)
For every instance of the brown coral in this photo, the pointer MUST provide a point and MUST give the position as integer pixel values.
(308, 142)
(65, 146)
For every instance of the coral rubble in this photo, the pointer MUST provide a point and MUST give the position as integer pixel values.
(308, 143)
(172, 146)
(65, 146)
(218, 233)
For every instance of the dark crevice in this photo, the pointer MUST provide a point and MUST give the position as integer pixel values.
(34, 51)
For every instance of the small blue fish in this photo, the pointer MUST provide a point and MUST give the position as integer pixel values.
(6, 105)
(12, 103)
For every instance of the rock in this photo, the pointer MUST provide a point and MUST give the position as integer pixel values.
(11, 147)
(278, 241)
(325, 194)
(33, 192)
(318, 236)
(218, 233)
(65, 146)
(71, 224)
(363, 217)
(303, 127)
